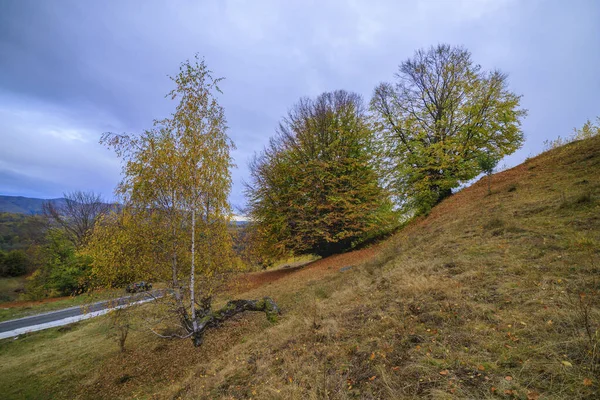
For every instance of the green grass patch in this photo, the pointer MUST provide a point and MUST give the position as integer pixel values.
(10, 288)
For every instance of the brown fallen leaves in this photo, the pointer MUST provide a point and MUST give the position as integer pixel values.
(533, 395)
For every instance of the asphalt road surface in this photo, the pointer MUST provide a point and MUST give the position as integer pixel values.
(55, 316)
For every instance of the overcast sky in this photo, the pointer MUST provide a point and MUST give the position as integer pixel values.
(71, 70)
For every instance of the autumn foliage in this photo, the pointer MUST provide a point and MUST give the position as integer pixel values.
(175, 187)
(315, 188)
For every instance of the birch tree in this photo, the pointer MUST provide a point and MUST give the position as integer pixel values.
(175, 187)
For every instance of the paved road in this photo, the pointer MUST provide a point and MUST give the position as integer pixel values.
(55, 316)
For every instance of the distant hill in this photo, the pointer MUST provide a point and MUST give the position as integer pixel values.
(31, 205)
(24, 205)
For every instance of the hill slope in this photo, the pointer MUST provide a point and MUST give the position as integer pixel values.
(479, 299)
(490, 296)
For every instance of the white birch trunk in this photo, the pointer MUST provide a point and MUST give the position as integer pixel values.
(193, 275)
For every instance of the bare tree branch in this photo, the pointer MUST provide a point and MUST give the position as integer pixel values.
(78, 214)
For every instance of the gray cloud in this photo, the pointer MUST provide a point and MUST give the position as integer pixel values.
(71, 70)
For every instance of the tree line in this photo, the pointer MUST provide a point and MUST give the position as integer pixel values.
(338, 172)
(19, 237)
(48, 246)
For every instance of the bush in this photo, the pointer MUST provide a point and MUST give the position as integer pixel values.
(493, 223)
(581, 200)
(588, 130)
(13, 263)
(64, 272)
(487, 162)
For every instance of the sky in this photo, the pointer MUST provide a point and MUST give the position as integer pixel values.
(72, 70)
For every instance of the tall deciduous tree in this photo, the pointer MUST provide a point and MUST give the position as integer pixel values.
(77, 215)
(315, 188)
(176, 181)
(439, 116)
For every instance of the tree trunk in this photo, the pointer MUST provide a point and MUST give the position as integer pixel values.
(193, 276)
(177, 290)
(212, 319)
(443, 194)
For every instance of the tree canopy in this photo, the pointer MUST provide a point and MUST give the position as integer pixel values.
(436, 120)
(315, 188)
(175, 187)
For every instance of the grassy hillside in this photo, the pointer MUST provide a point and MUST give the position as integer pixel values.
(490, 296)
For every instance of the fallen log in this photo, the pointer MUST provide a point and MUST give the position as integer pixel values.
(211, 319)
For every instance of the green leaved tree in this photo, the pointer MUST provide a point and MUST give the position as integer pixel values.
(436, 120)
(315, 188)
(64, 272)
(487, 163)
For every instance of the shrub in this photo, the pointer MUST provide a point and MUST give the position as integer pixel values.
(487, 162)
(584, 198)
(494, 223)
(13, 263)
(588, 130)
(64, 272)
(581, 200)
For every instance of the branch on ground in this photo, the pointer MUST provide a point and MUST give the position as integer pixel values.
(211, 319)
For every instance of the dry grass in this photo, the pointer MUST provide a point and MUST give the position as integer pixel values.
(488, 297)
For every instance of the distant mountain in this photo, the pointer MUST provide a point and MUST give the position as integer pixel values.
(24, 205)
(30, 205)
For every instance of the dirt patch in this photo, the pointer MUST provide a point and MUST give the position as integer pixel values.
(311, 270)
(28, 303)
